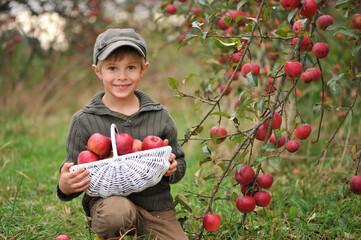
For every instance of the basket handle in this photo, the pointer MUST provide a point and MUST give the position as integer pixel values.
(113, 133)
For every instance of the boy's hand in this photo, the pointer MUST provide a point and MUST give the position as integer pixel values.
(172, 166)
(69, 181)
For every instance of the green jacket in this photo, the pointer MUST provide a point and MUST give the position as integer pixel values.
(151, 119)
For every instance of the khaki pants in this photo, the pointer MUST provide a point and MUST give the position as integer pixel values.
(115, 216)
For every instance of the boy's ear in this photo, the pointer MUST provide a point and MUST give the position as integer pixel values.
(144, 68)
(97, 71)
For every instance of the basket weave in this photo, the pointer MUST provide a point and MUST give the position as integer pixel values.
(126, 174)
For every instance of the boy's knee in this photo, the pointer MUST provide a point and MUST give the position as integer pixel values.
(112, 216)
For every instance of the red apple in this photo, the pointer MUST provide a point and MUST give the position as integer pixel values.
(293, 69)
(211, 222)
(309, 8)
(151, 142)
(124, 143)
(303, 131)
(324, 21)
(245, 175)
(292, 146)
(196, 11)
(276, 121)
(223, 87)
(297, 26)
(246, 68)
(311, 75)
(320, 50)
(262, 198)
(62, 237)
(356, 21)
(99, 144)
(223, 58)
(277, 142)
(237, 56)
(289, 5)
(221, 132)
(221, 24)
(171, 9)
(261, 133)
(230, 73)
(87, 156)
(355, 184)
(265, 180)
(305, 43)
(137, 145)
(245, 204)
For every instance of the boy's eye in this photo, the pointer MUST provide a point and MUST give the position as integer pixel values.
(112, 68)
(131, 67)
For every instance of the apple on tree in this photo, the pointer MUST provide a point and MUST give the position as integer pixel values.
(246, 68)
(309, 8)
(245, 204)
(292, 146)
(303, 131)
(276, 121)
(261, 133)
(265, 180)
(245, 175)
(171, 9)
(262, 198)
(324, 21)
(293, 69)
(320, 50)
(277, 142)
(356, 21)
(220, 131)
(211, 222)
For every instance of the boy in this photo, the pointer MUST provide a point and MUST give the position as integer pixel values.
(119, 59)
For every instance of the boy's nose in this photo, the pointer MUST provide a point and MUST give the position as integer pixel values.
(122, 75)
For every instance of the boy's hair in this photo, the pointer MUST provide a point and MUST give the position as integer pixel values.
(119, 53)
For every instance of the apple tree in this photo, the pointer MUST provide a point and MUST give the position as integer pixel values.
(274, 73)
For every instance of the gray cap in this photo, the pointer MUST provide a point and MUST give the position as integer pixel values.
(112, 39)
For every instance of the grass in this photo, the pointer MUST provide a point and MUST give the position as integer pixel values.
(313, 204)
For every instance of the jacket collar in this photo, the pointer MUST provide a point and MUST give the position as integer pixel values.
(96, 105)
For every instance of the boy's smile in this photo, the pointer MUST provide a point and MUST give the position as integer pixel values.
(120, 78)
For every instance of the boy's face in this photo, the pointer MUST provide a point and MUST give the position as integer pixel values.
(121, 76)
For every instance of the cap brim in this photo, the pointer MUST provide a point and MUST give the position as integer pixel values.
(116, 45)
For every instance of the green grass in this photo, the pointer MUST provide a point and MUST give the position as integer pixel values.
(314, 204)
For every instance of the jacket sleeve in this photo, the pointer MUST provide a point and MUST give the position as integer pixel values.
(75, 143)
(171, 134)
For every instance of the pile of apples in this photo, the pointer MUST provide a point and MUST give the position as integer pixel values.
(99, 146)
(246, 178)
(302, 132)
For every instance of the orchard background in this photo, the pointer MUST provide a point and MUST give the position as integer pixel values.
(46, 75)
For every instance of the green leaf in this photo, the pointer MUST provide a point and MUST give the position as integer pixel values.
(240, 4)
(316, 109)
(260, 105)
(173, 83)
(210, 176)
(270, 147)
(187, 134)
(291, 15)
(335, 89)
(238, 138)
(206, 150)
(282, 32)
(223, 197)
(189, 76)
(224, 114)
(225, 46)
(198, 131)
(349, 32)
(252, 79)
(344, 4)
(227, 20)
(186, 40)
(243, 106)
(182, 200)
(239, 18)
(201, 162)
(244, 92)
(197, 25)
(258, 161)
(275, 162)
(355, 50)
(335, 27)
(266, 13)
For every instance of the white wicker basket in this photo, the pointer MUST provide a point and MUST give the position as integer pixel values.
(123, 175)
